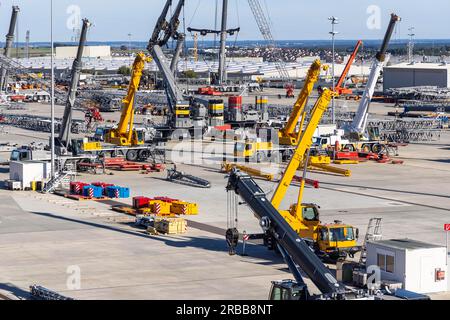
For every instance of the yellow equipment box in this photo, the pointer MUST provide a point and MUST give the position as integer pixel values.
(184, 208)
(160, 207)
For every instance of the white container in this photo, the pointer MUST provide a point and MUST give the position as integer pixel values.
(417, 265)
(28, 171)
(324, 130)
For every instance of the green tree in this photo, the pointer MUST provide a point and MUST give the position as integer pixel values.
(191, 74)
(124, 70)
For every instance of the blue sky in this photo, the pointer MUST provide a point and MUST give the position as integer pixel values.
(292, 19)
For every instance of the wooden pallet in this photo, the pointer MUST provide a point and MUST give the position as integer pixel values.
(125, 209)
(144, 211)
(83, 198)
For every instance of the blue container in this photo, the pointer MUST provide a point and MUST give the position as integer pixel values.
(98, 191)
(123, 192)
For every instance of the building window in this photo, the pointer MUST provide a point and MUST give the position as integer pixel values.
(381, 261)
(386, 262)
(390, 264)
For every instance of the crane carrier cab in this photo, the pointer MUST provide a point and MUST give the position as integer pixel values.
(332, 241)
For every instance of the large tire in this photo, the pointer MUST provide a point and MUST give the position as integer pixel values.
(260, 157)
(143, 155)
(378, 148)
(366, 148)
(132, 155)
(350, 147)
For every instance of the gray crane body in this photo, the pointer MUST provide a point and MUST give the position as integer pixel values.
(8, 46)
(63, 141)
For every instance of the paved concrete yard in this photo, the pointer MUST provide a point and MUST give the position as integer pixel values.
(43, 238)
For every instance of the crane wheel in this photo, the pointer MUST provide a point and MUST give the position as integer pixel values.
(378, 148)
(132, 155)
(260, 157)
(143, 155)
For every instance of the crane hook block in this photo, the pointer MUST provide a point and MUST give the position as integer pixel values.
(232, 237)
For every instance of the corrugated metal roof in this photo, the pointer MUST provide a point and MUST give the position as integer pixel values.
(427, 66)
(407, 244)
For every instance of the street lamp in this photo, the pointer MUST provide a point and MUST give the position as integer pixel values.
(52, 134)
(129, 42)
(334, 21)
(411, 35)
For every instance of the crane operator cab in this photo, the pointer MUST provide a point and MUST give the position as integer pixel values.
(337, 240)
(287, 290)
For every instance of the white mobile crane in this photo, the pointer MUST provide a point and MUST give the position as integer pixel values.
(355, 136)
(359, 124)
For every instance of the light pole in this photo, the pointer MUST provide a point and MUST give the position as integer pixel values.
(334, 21)
(129, 42)
(411, 35)
(52, 134)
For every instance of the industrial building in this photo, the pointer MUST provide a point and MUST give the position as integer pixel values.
(70, 52)
(416, 74)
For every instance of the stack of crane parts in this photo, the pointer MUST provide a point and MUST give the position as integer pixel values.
(187, 179)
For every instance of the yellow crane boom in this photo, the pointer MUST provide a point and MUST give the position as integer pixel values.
(125, 135)
(287, 135)
(304, 144)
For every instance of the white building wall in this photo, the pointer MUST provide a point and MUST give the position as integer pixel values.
(416, 269)
(89, 52)
(424, 264)
(410, 76)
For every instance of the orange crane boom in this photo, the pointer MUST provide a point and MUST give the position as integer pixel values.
(339, 86)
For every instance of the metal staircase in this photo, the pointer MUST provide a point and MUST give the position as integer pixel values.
(62, 179)
(373, 234)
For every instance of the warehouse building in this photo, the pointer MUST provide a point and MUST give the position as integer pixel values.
(418, 74)
(70, 52)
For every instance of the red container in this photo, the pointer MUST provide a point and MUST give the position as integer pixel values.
(235, 102)
(77, 187)
(141, 202)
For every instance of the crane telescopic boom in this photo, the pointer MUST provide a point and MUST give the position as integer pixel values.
(178, 104)
(8, 46)
(63, 140)
(275, 225)
(359, 123)
(304, 144)
(125, 135)
(339, 86)
(288, 135)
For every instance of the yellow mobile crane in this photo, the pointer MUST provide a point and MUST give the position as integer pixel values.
(288, 136)
(333, 241)
(125, 134)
